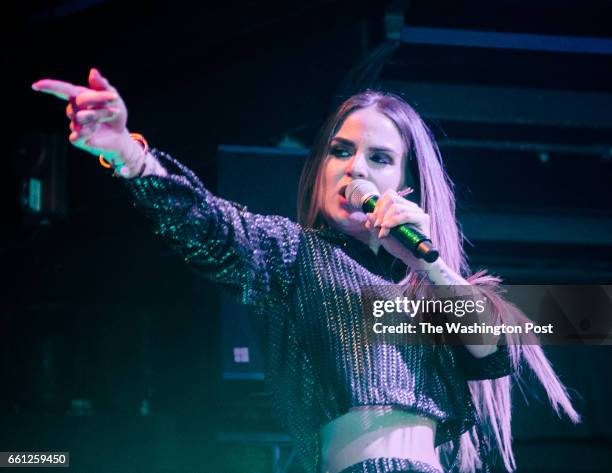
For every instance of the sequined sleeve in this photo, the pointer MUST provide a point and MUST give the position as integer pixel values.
(250, 255)
(492, 366)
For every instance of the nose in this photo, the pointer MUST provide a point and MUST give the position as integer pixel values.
(357, 167)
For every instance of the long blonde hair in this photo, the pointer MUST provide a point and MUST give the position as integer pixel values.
(491, 398)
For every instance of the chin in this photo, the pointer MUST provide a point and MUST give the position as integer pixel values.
(348, 222)
(357, 217)
(343, 218)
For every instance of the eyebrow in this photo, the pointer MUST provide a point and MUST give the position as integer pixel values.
(347, 142)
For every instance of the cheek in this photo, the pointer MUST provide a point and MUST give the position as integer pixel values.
(330, 177)
(398, 177)
(326, 186)
(389, 180)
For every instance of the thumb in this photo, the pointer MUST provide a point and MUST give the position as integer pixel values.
(97, 82)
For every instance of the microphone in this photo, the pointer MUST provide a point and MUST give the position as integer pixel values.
(362, 195)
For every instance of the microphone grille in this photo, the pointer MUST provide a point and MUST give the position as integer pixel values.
(358, 191)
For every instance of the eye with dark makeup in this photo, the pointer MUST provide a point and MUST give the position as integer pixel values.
(377, 157)
(381, 158)
(339, 152)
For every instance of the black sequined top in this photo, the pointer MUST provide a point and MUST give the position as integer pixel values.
(304, 285)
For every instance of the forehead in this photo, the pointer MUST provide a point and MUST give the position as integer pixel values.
(371, 125)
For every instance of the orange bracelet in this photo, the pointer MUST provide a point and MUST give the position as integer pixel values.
(136, 137)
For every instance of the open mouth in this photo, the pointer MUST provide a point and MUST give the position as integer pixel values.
(342, 190)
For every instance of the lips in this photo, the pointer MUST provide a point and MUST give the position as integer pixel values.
(343, 202)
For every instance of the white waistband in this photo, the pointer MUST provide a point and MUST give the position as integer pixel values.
(377, 431)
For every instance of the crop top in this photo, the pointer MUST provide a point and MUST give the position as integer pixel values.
(304, 285)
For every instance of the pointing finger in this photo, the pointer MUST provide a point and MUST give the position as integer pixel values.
(58, 88)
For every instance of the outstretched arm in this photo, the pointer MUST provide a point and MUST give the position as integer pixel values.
(251, 255)
(98, 123)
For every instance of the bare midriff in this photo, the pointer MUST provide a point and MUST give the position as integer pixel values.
(377, 431)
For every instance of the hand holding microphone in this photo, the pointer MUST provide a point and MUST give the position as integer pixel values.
(394, 215)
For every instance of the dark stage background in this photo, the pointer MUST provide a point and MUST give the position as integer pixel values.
(113, 350)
